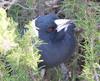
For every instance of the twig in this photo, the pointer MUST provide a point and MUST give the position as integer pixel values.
(40, 7)
(26, 8)
(31, 75)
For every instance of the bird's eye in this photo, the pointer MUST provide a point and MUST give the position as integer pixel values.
(51, 29)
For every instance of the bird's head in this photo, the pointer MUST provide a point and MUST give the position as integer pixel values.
(51, 28)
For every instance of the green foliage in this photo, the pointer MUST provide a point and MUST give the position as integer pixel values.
(7, 35)
(86, 16)
(17, 52)
(22, 12)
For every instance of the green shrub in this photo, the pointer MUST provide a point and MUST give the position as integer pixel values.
(18, 55)
(86, 16)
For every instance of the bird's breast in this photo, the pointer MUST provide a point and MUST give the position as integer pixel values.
(56, 53)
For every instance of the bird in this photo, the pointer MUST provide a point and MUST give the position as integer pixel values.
(58, 36)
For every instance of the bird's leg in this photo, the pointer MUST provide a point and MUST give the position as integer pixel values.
(42, 72)
(44, 75)
(64, 71)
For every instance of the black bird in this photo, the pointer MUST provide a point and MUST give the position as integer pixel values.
(58, 37)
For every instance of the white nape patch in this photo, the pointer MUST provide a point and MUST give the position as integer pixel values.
(61, 24)
(35, 29)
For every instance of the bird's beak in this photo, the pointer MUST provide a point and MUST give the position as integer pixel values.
(62, 24)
